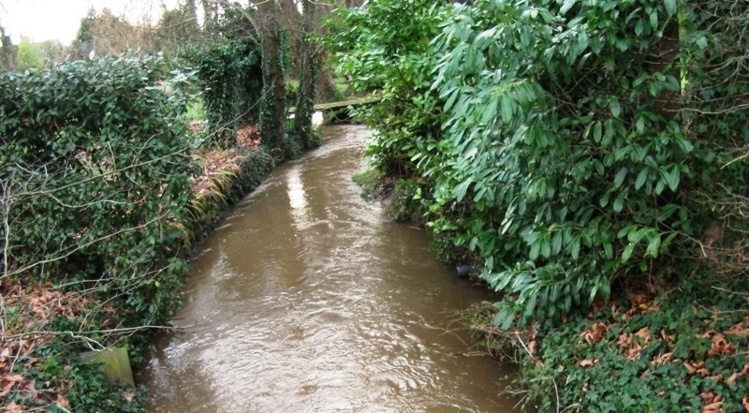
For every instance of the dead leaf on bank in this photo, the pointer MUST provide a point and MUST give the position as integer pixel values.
(745, 402)
(716, 378)
(12, 407)
(696, 368)
(663, 358)
(741, 329)
(62, 402)
(588, 362)
(716, 407)
(644, 334)
(128, 396)
(732, 379)
(711, 402)
(533, 347)
(595, 334)
(666, 337)
(637, 299)
(720, 346)
(632, 344)
(8, 382)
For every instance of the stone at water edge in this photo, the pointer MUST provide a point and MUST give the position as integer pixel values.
(464, 270)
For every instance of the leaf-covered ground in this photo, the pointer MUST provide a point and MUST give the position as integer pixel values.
(654, 350)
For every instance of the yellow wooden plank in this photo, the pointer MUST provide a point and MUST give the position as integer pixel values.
(116, 363)
(343, 104)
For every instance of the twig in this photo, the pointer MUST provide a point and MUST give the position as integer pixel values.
(74, 334)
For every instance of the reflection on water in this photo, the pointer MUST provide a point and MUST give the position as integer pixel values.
(308, 300)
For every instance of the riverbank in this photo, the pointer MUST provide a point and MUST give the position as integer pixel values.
(656, 345)
(47, 327)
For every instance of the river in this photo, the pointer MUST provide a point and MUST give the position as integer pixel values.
(307, 299)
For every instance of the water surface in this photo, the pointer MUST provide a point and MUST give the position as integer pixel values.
(308, 300)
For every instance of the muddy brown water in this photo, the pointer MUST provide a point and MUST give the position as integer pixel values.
(308, 300)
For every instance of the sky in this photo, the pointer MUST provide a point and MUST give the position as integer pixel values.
(41, 20)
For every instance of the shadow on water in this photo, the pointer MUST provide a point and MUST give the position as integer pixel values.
(308, 300)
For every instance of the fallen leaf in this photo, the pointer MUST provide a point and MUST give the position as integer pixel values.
(666, 337)
(588, 362)
(713, 407)
(716, 378)
(732, 379)
(696, 368)
(643, 333)
(707, 396)
(720, 346)
(12, 407)
(623, 341)
(741, 329)
(595, 334)
(637, 299)
(663, 358)
(533, 347)
(62, 401)
(633, 353)
(13, 378)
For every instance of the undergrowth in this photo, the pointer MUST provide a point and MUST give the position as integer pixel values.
(683, 348)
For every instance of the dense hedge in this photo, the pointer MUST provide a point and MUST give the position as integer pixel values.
(94, 173)
(591, 158)
(567, 144)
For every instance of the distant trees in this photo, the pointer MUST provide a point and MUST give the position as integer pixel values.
(106, 34)
(53, 51)
(176, 28)
(29, 55)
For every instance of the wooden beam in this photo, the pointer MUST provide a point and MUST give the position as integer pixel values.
(343, 103)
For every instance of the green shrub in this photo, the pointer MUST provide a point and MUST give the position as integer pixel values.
(405, 204)
(95, 177)
(568, 144)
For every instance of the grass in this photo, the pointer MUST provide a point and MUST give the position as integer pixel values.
(195, 111)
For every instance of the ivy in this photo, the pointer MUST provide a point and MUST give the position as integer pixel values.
(229, 68)
(95, 178)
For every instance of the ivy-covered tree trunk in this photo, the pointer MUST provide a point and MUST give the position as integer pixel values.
(272, 107)
(307, 78)
(7, 52)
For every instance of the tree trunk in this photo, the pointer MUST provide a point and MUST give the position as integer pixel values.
(308, 64)
(292, 23)
(272, 109)
(665, 60)
(7, 52)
